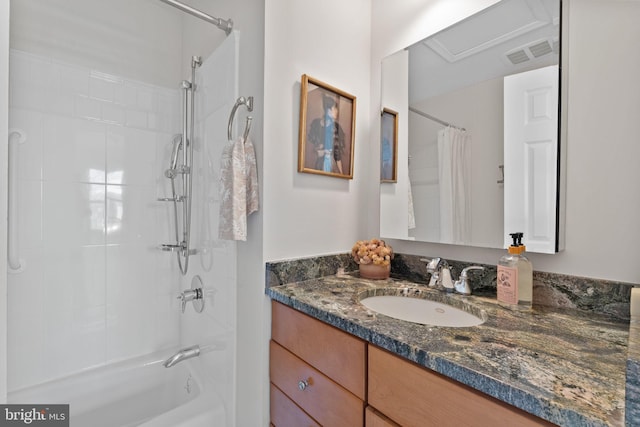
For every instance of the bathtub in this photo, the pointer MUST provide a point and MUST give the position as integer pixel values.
(137, 392)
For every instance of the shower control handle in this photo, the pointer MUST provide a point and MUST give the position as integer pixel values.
(194, 294)
(189, 295)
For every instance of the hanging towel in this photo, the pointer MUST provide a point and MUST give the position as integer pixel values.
(238, 189)
(411, 212)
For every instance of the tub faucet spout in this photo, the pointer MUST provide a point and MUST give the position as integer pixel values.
(183, 354)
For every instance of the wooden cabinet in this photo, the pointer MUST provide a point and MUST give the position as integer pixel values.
(316, 371)
(374, 418)
(286, 413)
(322, 376)
(411, 396)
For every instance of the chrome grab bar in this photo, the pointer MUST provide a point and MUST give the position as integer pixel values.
(14, 262)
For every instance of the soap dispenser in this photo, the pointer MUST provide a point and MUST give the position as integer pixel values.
(515, 276)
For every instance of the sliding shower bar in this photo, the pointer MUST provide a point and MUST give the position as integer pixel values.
(183, 172)
(225, 25)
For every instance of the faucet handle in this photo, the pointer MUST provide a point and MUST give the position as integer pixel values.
(473, 267)
(462, 285)
(432, 264)
(190, 295)
(184, 297)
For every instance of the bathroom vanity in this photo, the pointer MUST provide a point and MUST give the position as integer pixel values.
(334, 394)
(332, 357)
(322, 369)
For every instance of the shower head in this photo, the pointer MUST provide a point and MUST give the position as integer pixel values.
(177, 145)
(173, 164)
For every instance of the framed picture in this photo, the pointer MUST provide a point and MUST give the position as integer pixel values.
(389, 146)
(327, 129)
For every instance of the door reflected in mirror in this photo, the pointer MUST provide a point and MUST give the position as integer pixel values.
(456, 182)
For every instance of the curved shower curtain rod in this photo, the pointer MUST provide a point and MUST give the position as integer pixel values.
(435, 119)
(225, 25)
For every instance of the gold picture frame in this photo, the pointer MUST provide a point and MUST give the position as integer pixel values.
(388, 146)
(327, 129)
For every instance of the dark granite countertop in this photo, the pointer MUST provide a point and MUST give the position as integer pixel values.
(632, 395)
(566, 366)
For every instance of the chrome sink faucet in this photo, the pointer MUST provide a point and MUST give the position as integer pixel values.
(441, 276)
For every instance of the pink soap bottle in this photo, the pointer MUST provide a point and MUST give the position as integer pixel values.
(515, 276)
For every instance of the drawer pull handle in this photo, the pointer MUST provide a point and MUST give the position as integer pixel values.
(303, 384)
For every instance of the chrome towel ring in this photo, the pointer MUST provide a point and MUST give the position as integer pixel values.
(248, 102)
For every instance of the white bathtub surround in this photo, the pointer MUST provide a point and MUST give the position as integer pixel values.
(96, 290)
(139, 391)
(88, 220)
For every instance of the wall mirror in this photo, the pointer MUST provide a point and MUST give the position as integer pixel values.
(479, 131)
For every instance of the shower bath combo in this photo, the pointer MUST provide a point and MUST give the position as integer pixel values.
(150, 377)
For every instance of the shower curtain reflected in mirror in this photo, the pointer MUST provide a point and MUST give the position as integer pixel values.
(454, 172)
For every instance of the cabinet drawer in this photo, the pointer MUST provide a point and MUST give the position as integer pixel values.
(374, 418)
(335, 353)
(285, 413)
(415, 396)
(327, 402)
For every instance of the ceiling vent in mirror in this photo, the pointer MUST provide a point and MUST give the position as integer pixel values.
(504, 21)
(540, 48)
(533, 50)
(518, 57)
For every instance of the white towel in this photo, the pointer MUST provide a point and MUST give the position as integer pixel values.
(238, 189)
(411, 212)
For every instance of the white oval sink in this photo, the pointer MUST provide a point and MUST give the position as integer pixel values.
(422, 311)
